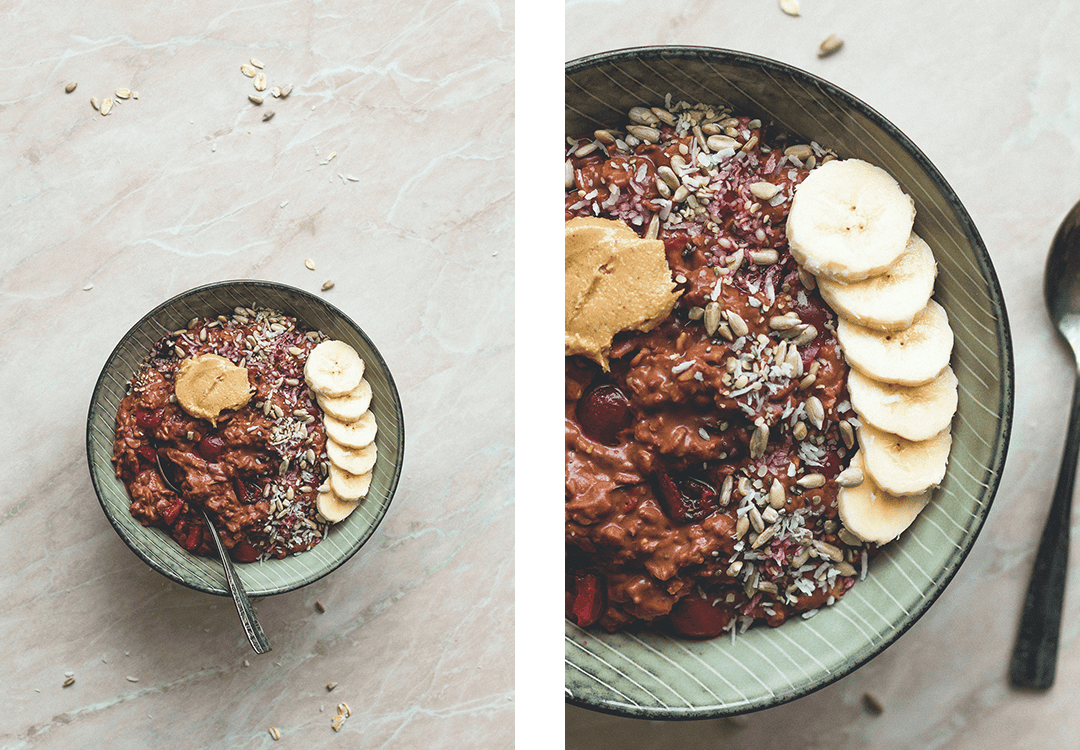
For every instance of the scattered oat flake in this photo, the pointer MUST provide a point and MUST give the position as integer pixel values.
(268, 116)
(320, 607)
(106, 106)
(129, 678)
(286, 90)
(257, 63)
(350, 178)
(87, 288)
(791, 7)
(69, 682)
(310, 264)
(71, 86)
(343, 182)
(134, 94)
(93, 102)
(260, 81)
(213, 147)
(123, 93)
(273, 730)
(330, 686)
(255, 99)
(327, 285)
(283, 204)
(275, 92)
(247, 70)
(830, 46)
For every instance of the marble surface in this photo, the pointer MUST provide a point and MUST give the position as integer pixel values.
(990, 92)
(102, 218)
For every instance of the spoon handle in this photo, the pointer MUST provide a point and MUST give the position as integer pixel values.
(1034, 659)
(256, 637)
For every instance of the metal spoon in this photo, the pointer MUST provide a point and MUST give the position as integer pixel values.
(256, 637)
(1034, 659)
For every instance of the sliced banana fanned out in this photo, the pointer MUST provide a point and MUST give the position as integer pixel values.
(849, 220)
(351, 406)
(354, 434)
(914, 356)
(348, 486)
(904, 467)
(917, 412)
(359, 461)
(333, 369)
(891, 301)
(871, 513)
(332, 507)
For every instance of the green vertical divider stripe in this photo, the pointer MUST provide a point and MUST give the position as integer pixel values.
(540, 708)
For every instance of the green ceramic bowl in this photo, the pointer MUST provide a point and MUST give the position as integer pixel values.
(155, 547)
(657, 677)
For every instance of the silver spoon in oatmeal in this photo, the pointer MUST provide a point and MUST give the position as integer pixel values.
(259, 642)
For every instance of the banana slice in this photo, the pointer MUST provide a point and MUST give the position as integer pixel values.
(332, 507)
(333, 369)
(914, 356)
(891, 301)
(351, 434)
(349, 486)
(904, 467)
(872, 514)
(849, 220)
(916, 413)
(351, 406)
(354, 461)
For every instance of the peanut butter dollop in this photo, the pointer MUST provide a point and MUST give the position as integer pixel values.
(615, 281)
(208, 384)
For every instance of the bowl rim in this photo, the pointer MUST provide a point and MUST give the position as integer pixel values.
(319, 302)
(992, 475)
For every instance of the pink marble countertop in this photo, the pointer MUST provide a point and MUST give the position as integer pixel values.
(102, 218)
(990, 93)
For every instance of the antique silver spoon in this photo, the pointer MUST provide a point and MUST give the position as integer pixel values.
(254, 631)
(1034, 659)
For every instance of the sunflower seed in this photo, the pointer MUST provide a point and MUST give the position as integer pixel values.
(644, 132)
(738, 325)
(123, 93)
(802, 152)
(71, 86)
(763, 190)
(807, 382)
(643, 116)
(736, 567)
(756, 520)
(759, 440)
(764, 257)
(725, 493)
(848, 538)
(721, 142)
(830, 46)
(800, 559)
(852, 476)
(807, 279)
(696, 313)
(712, 318)
(106, 106)
(260, 81)
(848, 434)
(586, 149)
(777, 496)
(809, 333)
(811, 481)
(741, 527)
(830, 551)
(247, 70)
(799, 431)
(767, 587)
(815, 411)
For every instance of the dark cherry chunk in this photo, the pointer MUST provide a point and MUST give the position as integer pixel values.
(695, 617)
(603, 413)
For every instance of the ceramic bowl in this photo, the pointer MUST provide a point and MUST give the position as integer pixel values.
(155, 547)
(653, 676)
